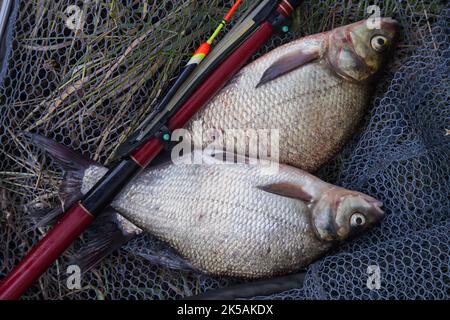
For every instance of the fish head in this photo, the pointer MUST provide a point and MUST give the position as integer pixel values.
(340, 214)
(358, 51)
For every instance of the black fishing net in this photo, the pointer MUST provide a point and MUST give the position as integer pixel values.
(88, 84)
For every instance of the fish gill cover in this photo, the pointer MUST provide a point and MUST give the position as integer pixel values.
(87, 82)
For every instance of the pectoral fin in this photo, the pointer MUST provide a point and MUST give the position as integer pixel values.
(158, 253)
(287, 64)
(111, 232)
(287, 189)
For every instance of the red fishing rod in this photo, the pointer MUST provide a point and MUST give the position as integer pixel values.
(253, 31)
(143, 132)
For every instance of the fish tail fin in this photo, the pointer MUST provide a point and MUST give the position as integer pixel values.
(109, 232)
(73, 164)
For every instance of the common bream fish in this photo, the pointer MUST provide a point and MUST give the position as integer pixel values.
(237, 220)
(314, 91)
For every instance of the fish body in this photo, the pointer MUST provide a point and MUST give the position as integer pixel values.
(314, 91)
(236, 219)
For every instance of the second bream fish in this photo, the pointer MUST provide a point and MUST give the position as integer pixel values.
(235, 220)
(314, 90)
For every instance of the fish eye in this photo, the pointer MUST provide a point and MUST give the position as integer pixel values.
(379, 43)
(357, 220)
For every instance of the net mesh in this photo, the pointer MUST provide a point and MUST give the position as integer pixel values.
(88, 84)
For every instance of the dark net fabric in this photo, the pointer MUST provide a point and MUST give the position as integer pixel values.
(87, 87)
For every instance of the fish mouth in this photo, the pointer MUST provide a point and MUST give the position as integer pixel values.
(375, 202)
(375, 210)
(379, 212)
(389, 21)
(390, 25)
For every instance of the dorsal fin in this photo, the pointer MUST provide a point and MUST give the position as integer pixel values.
(287, 189)
(287, 64)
